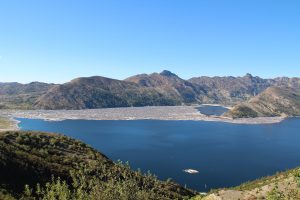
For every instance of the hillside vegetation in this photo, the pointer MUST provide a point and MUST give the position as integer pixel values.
(80, 172)
(274, 101)
(282, 186)
(36, 165)
(7, 124)
(21, 96)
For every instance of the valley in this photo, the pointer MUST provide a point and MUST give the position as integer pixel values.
(150, 100)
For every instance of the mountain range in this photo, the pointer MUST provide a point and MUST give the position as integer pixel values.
(156, 89)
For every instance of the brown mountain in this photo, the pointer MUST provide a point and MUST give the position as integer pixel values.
(288, 82)
(101, 92)
(155, 89)
(274, 101)
(21, 96)
(171, 85)
(230, 90)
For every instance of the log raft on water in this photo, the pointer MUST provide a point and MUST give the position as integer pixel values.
(191, 171)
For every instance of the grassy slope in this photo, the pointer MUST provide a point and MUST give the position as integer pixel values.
(284, 184)
(6, 124)
(33, 157)
(5, 195)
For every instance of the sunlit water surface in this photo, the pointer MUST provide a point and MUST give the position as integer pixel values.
(224, 154)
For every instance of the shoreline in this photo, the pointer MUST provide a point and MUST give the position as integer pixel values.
(13, 126)
(209, 104)
(174, 113)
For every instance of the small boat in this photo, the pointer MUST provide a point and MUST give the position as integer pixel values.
(191, 171)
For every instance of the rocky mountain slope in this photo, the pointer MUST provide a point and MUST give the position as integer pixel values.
(101, 92)
(274, 101)
(156, 89)
(164, 88)
(21, 96)
(229, 90)
(33, 157)
(171, 85)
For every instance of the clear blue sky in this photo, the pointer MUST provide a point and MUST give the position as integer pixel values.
(58, 40)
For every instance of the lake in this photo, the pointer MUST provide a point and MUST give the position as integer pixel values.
(225, 154)
(212, 110)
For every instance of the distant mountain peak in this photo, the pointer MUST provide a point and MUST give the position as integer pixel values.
(249, 75)
(167, 73)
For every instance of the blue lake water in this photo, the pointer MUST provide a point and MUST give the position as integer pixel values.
(212, 110)
(225, 154)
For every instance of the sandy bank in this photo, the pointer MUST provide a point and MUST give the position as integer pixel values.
(11, 125)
